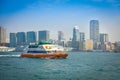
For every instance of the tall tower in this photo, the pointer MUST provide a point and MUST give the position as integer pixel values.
(76, 34)
(82, 41)
(31, 37)
(13, 40)
(94, 32)
(21, 38)
(2, 35)
(60, 35)
(61, 40)
(43, 35)
(76, 38)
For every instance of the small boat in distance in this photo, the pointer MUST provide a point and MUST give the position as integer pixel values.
(6, 49)
(45, 50)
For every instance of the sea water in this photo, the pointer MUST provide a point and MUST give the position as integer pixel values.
(77, 66)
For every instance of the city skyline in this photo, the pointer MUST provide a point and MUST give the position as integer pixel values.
(61, 15)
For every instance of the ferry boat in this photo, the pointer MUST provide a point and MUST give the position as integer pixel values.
(45, 50)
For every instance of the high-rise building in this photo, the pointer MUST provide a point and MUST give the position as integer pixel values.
(13, 40)
(69, 43)
(82, 36)
(82, 40)
(43, 35)
(31, 37)
(21, 38)
(76, 38)
(103, 38)
(94, 32)
(2, 35)
(60, 35)
(61, 40)
(76, 34)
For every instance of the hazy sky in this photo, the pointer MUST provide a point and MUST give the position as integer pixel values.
(55, 15)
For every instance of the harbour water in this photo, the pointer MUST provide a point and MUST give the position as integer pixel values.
(77, 66)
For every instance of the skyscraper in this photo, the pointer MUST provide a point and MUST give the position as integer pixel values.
(13, 40)
(82, 36)
(21, 38)
(94, 32)
(2, 35)
(31, 37)
(43, 35)
(76, 38)
(82, 41)
(60, 35)
(103, 38)
(76, 34)
(61, 40)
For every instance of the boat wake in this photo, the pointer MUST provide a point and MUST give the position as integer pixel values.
(10, 55)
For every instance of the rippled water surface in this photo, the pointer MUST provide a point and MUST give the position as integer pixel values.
(77, 66)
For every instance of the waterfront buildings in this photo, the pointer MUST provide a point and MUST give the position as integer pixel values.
(21, 38)
(107, 46)
(76, 38)
(76, 33)
(104, 41)
(13, 40)
(43, 35)
(77, 42)
(82, 40)
(82, 36)
(61, 40)
(88, 44)
(60, 35)
(69, 43)
(103, 38)
(2, 35)
(31, 37)
(94, 32)
(117, 46)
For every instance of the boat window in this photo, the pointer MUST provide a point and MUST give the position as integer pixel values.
(37, 52)
(41, 47)
(33, 46)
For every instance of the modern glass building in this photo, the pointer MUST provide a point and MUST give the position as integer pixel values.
(60, 35)
(76, 38)
(2, 35)
(13, 40)
(94, 33)
(82, 36)
(21, 38)
(43, 35)
(76, 34)
(31, 37)
(61, 40)
(82, 41)
(94, 30)
(103, 38)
